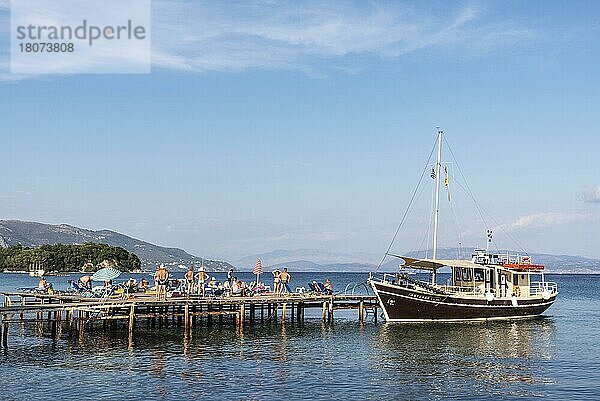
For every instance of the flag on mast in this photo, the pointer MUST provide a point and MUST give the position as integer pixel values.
(446, 177)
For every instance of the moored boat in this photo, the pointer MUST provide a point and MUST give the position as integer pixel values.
(488, 286)
(485, 287)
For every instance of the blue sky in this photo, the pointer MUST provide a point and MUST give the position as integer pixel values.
(268, 125)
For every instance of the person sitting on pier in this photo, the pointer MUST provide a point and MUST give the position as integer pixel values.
(243, 288)
(130, 286)
(285, 279)
(189, 277)
(251, 287)
(161, 277)
(227, 287)
(320, 288)
(212, 287)
(328, 286)
(86, 281)
(43, 284)
(236, 287)
(144, 284)
(202, 277)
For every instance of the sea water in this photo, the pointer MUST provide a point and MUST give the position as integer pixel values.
(555, 356)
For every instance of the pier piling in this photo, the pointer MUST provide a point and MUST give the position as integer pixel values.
(78, 312)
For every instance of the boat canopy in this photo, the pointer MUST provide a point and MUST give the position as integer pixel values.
(434, 264)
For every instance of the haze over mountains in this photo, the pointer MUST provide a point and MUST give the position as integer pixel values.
(14, 232)
(315, 260)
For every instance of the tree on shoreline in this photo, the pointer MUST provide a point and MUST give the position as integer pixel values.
(62, 258)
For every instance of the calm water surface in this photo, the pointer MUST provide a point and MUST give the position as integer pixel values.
(552, 357)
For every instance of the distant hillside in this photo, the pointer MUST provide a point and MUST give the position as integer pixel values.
(30, 234)
(300, 256)
(315, 260)
(553, 263)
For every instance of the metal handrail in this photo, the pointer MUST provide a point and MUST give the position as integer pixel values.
(348, 287)
(537, 287)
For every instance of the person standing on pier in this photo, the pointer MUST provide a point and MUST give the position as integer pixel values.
(161, 277)
(285, 279)
(230, 276)
(202, 277)
(189, 277)
(276, 281)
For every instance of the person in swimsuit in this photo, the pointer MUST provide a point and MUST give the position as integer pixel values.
(43, 284)
(328, 286)
(86, 282)
(144, 284)
(202, 277)
(189, 277)
(276, 281)
(285, 279)
(161, 277)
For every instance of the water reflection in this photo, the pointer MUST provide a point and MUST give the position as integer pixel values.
(311, 360)
(493, 357)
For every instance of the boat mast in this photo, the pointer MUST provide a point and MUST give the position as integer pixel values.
(437, 200)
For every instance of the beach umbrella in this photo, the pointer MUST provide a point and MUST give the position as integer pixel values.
(258, 269)
(106, 274)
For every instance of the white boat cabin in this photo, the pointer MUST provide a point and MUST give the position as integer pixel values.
(503, 276)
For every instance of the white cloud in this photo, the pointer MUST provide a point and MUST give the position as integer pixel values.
(192, 35)
(592, 195)
(206, 36)
(540, 220)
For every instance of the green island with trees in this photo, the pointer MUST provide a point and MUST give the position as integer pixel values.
(67, 258)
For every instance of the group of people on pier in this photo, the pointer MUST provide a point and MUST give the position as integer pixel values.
(202, 284)
(197, 283)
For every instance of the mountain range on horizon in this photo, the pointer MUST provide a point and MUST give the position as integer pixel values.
(31, 234)
(315, 260)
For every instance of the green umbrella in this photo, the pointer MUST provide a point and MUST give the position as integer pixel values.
(106, 274)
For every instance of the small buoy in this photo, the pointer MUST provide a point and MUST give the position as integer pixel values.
(513, 299)
(489, 296)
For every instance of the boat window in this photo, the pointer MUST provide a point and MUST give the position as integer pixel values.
(456, 274)
(516, 279)
(479, 275)
(466, 274)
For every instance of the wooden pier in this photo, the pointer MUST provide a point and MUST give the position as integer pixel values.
(79, 312)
